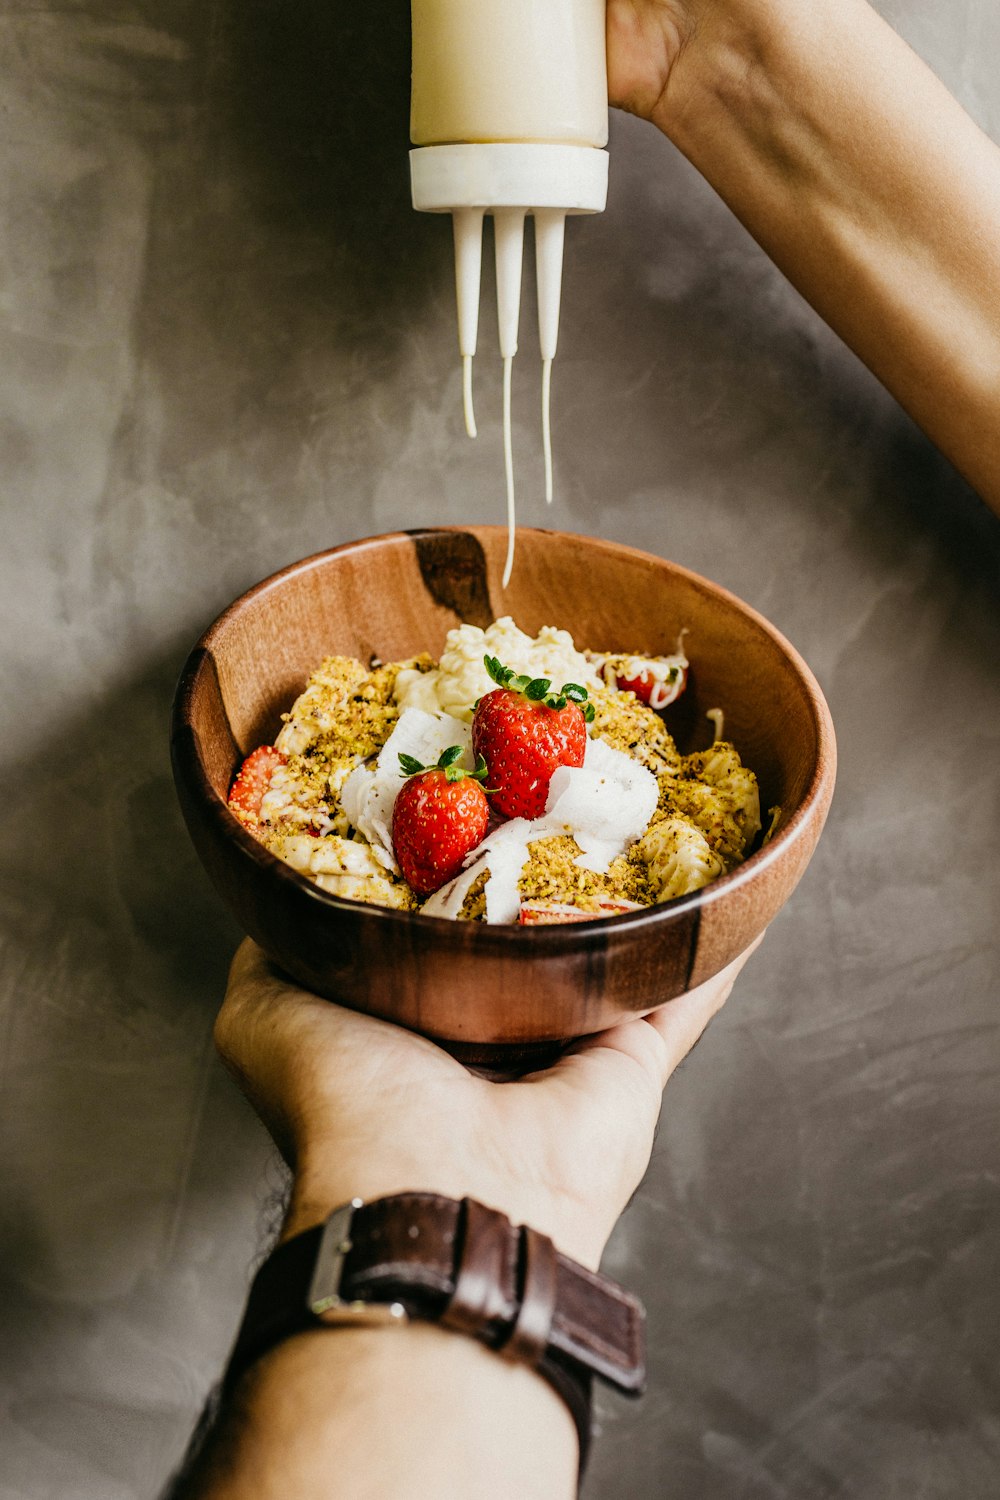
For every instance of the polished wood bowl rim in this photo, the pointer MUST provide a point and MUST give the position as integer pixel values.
(546, 937)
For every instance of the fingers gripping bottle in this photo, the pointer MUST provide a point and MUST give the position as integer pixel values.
(509, 115)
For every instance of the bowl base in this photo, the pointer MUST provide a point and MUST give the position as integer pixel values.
(503, 1062)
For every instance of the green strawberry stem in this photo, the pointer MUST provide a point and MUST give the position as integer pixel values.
(446, 763)
(536, 689)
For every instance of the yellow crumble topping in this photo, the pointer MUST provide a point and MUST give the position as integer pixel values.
(706, 818)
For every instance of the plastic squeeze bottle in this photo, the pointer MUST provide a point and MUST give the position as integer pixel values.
(509, 112)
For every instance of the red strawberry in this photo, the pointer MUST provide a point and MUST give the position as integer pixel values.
(253, 780)
(439, 816)
(523, 733)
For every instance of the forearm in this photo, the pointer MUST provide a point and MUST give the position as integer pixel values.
(396, 1411)
(870, 187)
(411, 1412)
(369, 1109)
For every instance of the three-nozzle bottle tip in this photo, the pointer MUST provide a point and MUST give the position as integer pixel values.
(550, 232)
(508, 233)
(468, 230)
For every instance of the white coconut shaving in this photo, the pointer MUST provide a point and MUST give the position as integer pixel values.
(505, 859)
(501, 857)
(604, 805)
(423, 736)
(448, 900)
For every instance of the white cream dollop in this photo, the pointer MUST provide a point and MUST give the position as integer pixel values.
(460, 678)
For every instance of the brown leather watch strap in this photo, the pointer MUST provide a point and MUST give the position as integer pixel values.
(529, 1338)
(423, 1238)
(463, 1265)
(480, 1271)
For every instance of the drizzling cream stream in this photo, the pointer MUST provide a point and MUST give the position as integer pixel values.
(508, 468)
(467, 406)
(508, 235)
(509, 116)
(547, 426)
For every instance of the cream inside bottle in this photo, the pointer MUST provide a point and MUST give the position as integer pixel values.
(509, 113)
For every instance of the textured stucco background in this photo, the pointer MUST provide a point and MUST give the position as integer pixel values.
(226, 342)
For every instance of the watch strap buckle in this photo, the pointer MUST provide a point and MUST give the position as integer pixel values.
(324, 1298)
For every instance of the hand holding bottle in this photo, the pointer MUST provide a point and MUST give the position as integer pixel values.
(858, 173)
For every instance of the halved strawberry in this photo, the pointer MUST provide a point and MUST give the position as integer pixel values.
(541, 912)
(439, 816)
(536, 913)
(247, 792)
(657, 684)
(524, 732)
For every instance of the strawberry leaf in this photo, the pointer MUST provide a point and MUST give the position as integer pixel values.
(411, 767)
(536, 689)
(500, 674)
(449, 756)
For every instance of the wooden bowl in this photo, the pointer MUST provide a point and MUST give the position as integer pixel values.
(393, 596)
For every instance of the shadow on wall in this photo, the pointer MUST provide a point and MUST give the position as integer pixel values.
(319, 110)
(115, 968)
(285, 268)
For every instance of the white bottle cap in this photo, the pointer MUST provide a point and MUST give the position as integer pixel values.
(509, 180)
(509, 174)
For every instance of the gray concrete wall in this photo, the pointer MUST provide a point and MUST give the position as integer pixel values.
(226, 342)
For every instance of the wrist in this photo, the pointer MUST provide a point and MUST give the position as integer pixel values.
(408, 1411)
(324, 1180)
(462, 1265)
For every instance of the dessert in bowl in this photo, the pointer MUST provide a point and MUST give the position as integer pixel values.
(475, 790)
(486, 983)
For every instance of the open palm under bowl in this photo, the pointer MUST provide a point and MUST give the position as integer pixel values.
(397, 595)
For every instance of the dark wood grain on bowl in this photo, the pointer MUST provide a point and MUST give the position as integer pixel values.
(397, 595)
(453, 569)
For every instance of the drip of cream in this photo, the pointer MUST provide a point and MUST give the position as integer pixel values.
(550, 234)
(508, 467)
(508, 226)
(547, 427)
(467, 226)
(508, 235)
(468, 408)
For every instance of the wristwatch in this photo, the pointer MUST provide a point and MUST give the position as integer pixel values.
(459, 1264)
